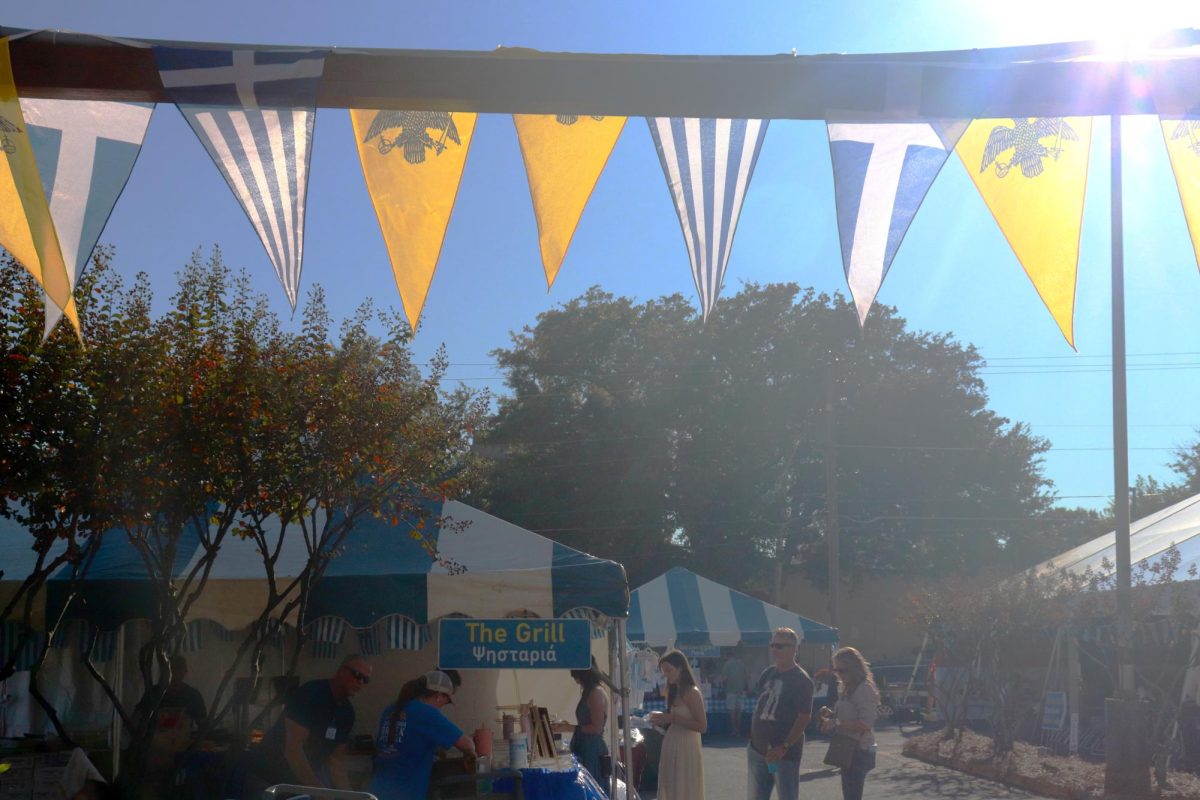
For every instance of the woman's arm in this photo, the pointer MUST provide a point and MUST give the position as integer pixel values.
(695, 704)
(866, 707)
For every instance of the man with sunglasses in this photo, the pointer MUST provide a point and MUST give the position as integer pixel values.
(781, 714)
(307, 745)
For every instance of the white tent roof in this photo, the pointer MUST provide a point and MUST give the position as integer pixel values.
(1150, 537)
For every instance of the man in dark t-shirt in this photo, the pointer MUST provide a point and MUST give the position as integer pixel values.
(781, 714)
(308, 743)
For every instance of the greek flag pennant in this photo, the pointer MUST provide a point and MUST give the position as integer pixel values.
(254, 111)
(413, 162)
(26, 227)
(1032, 173)
(564, 155)
(881, 174)
(85, 153)
(708, 164)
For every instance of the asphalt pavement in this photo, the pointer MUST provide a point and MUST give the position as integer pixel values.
(894, 778)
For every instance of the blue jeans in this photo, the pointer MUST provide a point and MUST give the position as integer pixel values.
(854, 778)
(760, 780)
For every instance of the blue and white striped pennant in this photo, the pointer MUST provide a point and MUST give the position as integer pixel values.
(708, 164)
(881, 174)
(254, 112)
(85, 152)
(327, 634)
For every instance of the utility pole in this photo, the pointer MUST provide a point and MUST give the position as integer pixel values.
(832, 531)
(1126, 759)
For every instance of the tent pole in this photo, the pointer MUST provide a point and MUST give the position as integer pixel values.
(1120, 425)
(612, 717)
(916, 666)
(118, 688)
(618, 628)
(1074, 679)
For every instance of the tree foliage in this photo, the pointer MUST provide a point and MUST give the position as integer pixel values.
(176, 431)
(640, 433)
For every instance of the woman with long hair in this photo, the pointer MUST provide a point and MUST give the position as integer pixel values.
(854, 715)
(591, 715)
(681, 765)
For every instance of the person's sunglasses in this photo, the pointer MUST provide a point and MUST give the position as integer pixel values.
(780, 645)
(358, 676)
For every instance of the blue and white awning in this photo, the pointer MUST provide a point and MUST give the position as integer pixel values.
(486, 568)
(681, 608)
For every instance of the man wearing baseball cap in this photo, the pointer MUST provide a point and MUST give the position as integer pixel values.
(410, 737)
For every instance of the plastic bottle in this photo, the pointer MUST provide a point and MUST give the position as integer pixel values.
(483, 780)
(518, 751)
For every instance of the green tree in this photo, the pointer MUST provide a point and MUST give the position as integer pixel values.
(211, 421)
(640, 433)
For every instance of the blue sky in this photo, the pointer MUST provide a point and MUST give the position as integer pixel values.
(954, 272)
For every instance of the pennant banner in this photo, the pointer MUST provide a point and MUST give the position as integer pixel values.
(708, 164)
(881, 174)
(254, 111)
(85, 153)
(413, 162)
(564, 156)
(1179, 114)
(1032, 173)
(26, 227)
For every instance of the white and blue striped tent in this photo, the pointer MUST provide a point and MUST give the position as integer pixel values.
(681, 608)
(383, 582)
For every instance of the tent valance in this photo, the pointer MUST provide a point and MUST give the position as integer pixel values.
(683, 608)
(487, 568)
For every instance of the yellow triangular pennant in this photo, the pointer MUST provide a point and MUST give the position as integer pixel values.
(1032, 173)
(1182, 137)
(564, 156)
(413, 162)
(26, 228)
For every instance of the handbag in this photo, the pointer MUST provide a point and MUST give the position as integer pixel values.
(842, 748)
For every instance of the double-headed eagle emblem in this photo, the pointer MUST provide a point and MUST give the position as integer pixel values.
(413, 138)
(1025, 140)
(571, 119)
(6, 128)
(1189, 128)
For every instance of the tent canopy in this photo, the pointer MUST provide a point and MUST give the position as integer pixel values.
(489, 568)
(1150, 538)
(683, 608)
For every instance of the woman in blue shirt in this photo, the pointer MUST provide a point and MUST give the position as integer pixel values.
(410, 735)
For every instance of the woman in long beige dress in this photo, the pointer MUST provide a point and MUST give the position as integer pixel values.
(681, 765)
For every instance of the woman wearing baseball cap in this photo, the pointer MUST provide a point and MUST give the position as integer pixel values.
(411, 731)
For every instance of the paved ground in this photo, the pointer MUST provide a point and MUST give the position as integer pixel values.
(894, 777)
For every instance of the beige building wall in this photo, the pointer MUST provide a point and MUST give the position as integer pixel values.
(869, 614)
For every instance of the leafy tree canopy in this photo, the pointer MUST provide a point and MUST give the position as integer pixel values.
(639, 433)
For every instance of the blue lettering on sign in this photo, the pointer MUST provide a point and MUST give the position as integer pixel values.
(514, 644)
